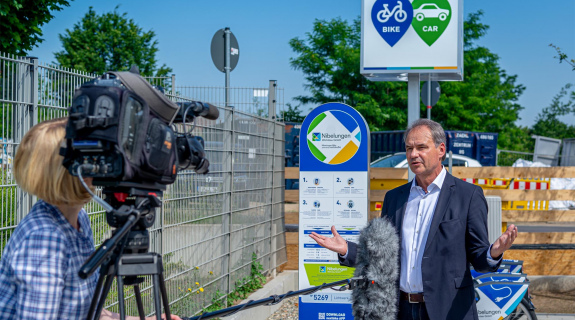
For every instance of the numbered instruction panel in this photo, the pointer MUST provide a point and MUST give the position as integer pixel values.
(333, 191)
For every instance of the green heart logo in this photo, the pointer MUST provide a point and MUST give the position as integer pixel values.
(430, 19)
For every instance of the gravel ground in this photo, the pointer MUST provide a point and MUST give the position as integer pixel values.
(288, 310)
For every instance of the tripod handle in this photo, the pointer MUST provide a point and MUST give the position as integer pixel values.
(95, 260)
(107, 248)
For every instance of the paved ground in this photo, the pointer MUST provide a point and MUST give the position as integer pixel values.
(289, 311)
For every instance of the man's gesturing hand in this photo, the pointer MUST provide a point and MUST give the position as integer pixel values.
(336, 243)
(504, 242)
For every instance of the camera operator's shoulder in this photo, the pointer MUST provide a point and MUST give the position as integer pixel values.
(42, 219)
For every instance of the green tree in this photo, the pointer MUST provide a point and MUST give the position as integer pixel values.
(293, 114)
(329, 59)
(21, 20)
(562, 56)
(111, 41)
(548, 123)
(486, 100)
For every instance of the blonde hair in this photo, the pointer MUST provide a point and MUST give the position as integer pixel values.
(38, 167)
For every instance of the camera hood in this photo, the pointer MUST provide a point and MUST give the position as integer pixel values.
(158, 102)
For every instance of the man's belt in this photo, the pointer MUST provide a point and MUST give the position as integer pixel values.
(411, 297)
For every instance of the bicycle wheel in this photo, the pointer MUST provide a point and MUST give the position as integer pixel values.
(523, 312)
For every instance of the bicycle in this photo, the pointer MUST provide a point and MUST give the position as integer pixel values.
(398, 13)
(504, 294)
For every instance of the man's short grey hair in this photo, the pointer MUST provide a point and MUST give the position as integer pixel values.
(437, 132)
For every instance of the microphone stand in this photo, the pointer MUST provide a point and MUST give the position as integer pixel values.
(347, 284)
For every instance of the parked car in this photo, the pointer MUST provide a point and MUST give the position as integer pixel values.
(399, 160)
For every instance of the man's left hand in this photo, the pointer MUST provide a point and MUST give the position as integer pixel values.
(504, 242)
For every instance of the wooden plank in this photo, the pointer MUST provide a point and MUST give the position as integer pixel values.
(292, 172)
(388, 173)
(466, 172)
(550, 172)
(538, 215)
(377, 195)
(291, 196)
(510, 172)
(544, 262)
(292, 238)
(292, 257)
(535, 262)
(374, 173)
(545, 238)
(531, 195)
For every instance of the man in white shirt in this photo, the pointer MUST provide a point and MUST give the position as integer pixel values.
(442, 227)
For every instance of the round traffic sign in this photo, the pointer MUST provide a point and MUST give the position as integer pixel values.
(218, 50)
(435, 93)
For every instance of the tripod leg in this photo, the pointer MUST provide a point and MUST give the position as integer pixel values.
(103, 296)
(97, 296)
(139, 302)
(164, 296)
(157, 300)
(121, 297)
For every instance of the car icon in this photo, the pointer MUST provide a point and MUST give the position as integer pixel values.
(430, 10)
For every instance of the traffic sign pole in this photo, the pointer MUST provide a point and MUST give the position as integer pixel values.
(227, 66)
(429, 98)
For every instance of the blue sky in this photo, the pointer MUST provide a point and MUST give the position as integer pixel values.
(520, 32)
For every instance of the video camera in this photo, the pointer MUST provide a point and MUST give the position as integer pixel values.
(120, 130)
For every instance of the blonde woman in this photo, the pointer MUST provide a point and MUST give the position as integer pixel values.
(39, 266)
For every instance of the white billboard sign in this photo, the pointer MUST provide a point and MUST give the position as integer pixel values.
(420, 36)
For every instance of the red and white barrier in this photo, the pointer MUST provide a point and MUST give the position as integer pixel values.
(529, 185)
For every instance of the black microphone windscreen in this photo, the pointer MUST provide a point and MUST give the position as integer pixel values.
(213, 112)
(378, 261)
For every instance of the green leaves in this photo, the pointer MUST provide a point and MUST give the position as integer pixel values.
(111, 41)
(20, 22)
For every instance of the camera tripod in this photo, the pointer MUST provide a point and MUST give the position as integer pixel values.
(124, 256)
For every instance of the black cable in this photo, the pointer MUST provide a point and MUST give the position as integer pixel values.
(275, 299)
(240, 309)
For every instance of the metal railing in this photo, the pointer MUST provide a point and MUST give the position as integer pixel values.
(209, 226)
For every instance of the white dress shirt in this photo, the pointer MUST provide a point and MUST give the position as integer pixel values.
(416, 221)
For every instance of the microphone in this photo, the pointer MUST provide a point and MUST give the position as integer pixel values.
(378, 261)
(196, 108)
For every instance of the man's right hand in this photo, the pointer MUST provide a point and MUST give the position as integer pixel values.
(335, 244)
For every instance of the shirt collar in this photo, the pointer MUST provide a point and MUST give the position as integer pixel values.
(438, 182)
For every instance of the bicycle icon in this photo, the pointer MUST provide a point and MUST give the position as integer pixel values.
(398, 13)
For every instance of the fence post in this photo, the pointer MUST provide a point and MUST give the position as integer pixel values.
(228, 244)
(25, 117)
(272, 100)
(173, 84)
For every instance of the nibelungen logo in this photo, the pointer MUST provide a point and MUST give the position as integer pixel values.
(333, 137)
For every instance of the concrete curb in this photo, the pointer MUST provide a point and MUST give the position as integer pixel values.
(283, 283)
(553, 286)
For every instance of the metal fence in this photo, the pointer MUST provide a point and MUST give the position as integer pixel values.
(209, 226)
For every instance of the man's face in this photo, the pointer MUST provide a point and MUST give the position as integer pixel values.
(423, 157)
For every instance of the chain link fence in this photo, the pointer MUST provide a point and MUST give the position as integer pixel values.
(209, 226)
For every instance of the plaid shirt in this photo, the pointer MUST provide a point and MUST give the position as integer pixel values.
(39, 267)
